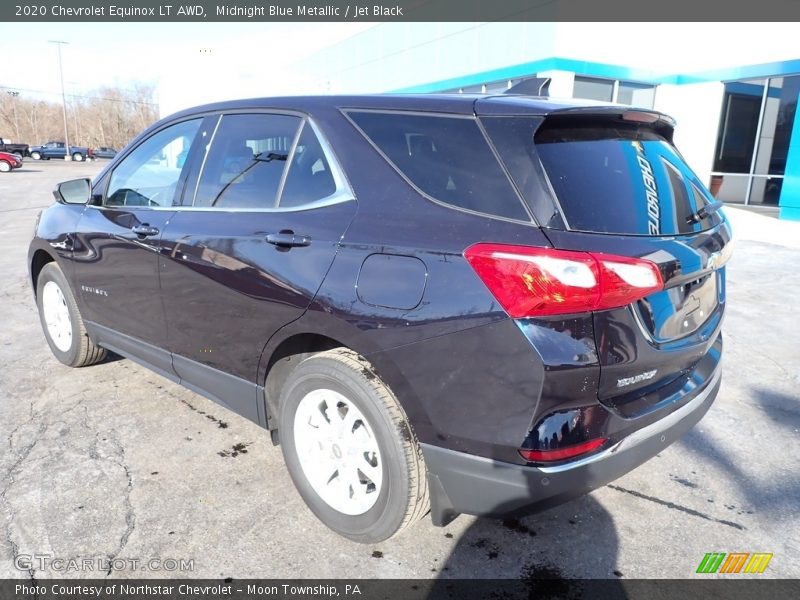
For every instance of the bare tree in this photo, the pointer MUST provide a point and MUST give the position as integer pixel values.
(108, 116)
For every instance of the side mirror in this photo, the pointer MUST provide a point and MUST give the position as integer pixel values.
(75, 191)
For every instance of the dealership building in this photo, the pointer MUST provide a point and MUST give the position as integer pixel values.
(732, 88)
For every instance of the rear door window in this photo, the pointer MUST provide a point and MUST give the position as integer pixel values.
(609, 177)
(446, 158)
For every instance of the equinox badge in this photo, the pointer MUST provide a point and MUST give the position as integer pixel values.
(636, 378)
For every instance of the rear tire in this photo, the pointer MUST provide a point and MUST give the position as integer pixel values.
(77, 157)
(349, 448)
(62, 322)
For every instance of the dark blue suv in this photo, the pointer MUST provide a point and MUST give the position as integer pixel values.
(446, 303)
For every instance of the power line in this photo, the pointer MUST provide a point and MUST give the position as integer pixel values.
(13, 88)
(58, 44)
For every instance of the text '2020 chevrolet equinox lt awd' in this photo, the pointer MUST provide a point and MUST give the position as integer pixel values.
(455, 304)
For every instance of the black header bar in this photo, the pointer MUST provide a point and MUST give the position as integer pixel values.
(275, 11)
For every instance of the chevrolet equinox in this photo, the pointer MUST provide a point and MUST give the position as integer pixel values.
(436, 304)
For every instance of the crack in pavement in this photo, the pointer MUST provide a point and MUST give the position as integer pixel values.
(130, 513)
(114, 452)
(22, 455)
(672, 505)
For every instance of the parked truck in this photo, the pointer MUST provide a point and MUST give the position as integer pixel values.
(59, 150)
(6, 146)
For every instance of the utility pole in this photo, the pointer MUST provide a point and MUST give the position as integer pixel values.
(76, 105)
(14, 95)
(59, 43)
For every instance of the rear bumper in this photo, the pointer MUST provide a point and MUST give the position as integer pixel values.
(464, 483)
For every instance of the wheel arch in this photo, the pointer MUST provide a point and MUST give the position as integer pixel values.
(289, 353)
(293, 344)
(38, 260)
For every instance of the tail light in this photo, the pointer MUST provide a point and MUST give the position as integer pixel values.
(562, 453)
(530, 282)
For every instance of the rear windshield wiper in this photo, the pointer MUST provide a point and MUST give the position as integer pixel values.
(704, 212)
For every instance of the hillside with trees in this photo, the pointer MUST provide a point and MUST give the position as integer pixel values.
(107, 116)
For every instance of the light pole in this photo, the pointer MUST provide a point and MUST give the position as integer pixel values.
(60, 43)
(76, 112)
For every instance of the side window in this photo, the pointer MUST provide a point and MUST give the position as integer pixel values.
(310, 177)
(149, 175)
(447, 158)
(245, 163)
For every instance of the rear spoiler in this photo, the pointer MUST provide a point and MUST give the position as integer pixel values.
(535, 86)
(570, 112)
(626, 113)
(652, 119)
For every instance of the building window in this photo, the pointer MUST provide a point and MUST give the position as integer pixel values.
(780, 109)
(590, 88)
(500, 86)
(738, 126)
(611, 90)
(753, 139)
(636, 94)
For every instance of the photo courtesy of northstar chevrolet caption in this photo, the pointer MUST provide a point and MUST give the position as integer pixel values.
(184, 589)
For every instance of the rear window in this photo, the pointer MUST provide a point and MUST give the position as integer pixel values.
(447, 158)
(608, 176)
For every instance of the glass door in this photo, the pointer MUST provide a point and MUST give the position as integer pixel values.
(753, 140)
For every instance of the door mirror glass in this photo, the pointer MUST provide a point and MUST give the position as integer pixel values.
(75, 191)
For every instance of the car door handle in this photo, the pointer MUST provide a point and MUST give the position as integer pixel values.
(145, 230)
(288, 239)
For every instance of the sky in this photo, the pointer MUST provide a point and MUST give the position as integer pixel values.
(189, 63)
(195, 63)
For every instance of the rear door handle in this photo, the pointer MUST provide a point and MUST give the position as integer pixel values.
(288, 239)
(145, 230)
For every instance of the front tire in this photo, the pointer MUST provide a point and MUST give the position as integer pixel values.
(349, 448)
(5, 167)
(36, 156)
(62, 322)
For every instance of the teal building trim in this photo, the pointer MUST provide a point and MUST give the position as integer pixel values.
(609, 71)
